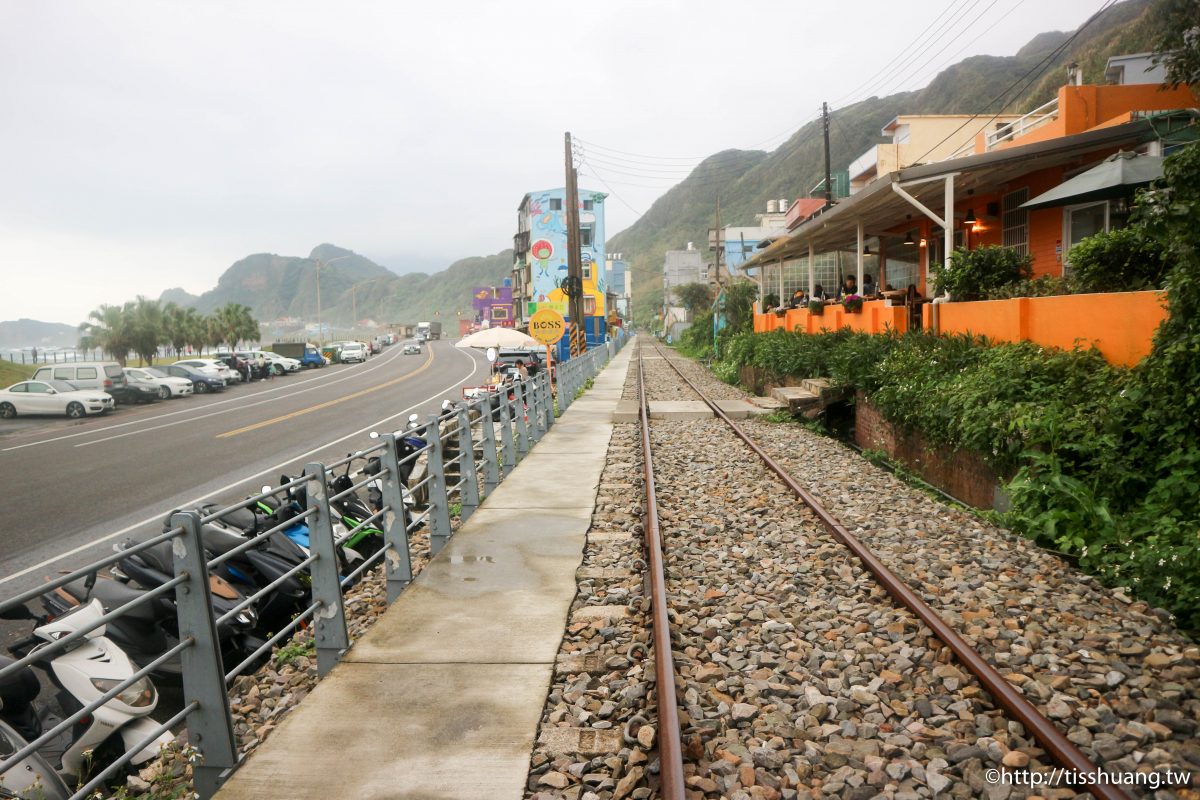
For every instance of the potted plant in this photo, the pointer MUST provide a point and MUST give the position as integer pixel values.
(816, 307)
(853, 303)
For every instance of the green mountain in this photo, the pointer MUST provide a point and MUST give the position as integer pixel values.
(34, 333)
(352, 287)
(745, 180)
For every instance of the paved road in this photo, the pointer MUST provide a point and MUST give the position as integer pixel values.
(71, 489)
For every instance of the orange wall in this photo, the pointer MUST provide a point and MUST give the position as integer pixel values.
(1120, 324)
(876, 317)
(1082, 108)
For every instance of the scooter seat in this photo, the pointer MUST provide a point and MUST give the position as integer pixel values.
(218, 540)
(112, 595)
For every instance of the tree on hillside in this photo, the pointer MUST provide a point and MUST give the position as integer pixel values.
(146, 327)
(1178, 48)
(695, 297)
(178, 326)
(107, 329)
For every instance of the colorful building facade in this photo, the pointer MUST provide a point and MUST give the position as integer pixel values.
(493, 306)
(540, 266)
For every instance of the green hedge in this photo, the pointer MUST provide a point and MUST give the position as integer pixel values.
(1072, 431)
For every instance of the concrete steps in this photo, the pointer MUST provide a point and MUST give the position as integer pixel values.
(810, 398)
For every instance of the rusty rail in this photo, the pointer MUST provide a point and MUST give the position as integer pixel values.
(670, 749)
(1064, 752)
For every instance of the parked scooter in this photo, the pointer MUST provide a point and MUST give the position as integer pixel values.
(31, 778)
(83, 672)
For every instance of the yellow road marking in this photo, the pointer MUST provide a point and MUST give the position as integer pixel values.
(329, 403)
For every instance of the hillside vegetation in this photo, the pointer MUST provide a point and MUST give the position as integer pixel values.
(275, 286)
(745, 180)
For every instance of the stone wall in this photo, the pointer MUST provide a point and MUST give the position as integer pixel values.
(960, 473)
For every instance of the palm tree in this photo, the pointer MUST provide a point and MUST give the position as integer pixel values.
(147, 328)
(108, 330)
(234, 323)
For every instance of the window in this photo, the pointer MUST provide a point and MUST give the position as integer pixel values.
(20, 387)
(585, 235)
(1016, 222)
(38, 388)
(85, 372)
(113, 371)
(555, 204)
(1080, 222)
(499, 312)
(589, 305)
(64, 374)
(588, 205)
(587, 271)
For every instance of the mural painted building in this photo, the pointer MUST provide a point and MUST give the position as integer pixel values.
(540, 266)
(493, 306)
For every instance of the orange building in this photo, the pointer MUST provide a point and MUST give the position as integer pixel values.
(901, 223)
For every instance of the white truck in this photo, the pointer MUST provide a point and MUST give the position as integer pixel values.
(428, 330)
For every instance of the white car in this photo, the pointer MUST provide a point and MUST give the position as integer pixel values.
(353, 351)
(279, 364)
(208, 366)
(167, 386)
(52, 397)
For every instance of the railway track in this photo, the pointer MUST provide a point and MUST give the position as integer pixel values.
(668, 555)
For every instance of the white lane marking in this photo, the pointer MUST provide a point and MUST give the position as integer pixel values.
(475, 365)
(342, 375)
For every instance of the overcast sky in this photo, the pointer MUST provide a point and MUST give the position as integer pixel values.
(145, 145)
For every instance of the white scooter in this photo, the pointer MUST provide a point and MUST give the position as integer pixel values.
(84, 672)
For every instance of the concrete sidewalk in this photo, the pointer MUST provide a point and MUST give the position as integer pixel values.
(442, 697)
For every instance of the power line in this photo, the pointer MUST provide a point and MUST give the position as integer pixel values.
(1035, 71)
(613, 191)
(893, 83)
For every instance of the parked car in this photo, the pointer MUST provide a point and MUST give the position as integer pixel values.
(165, 385)
(212, 366)
(201, 381)
(277, 363)
(353, 351)
(102, 376)
(412, 348)
(52, 397)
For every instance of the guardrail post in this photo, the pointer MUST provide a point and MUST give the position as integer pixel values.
(329, 621)
(506, 434)
(522, 423)
(535, 411)
(439, 499)
(548, 408)
(491, 463)
(469, 493)
(210, 726)
(398, 558)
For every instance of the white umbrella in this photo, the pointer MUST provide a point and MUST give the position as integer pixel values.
(498, 338)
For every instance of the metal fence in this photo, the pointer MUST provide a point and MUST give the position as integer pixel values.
(468, 449)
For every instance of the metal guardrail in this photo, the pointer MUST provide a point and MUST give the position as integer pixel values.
(468, 450)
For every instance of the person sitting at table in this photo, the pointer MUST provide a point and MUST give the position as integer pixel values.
(818, 293)
(868, 288)
(849, 286)
(799, 299)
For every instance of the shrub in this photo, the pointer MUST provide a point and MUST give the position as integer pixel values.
(972, 273)
(1123, 260)
(1041, 286)
(853, 303)
(816, 307)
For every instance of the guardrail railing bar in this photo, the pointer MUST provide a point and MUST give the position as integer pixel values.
(397, 549)
(469, 490)
(506, 435)
(94, 783)
(250, 501)
(210, 723)
(251, 599)
(439, 503)
(256, 539)
(522, 425)
(491, 464)
(275, 639)
(330, 633)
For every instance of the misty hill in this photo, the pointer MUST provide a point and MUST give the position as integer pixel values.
(352, 287)
(34, 333)
(745, 180)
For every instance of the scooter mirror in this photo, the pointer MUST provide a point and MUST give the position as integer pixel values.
(89, 584)
(491, 354)
(267, 488)
(413, 418)
(374, 434)
(446, 404)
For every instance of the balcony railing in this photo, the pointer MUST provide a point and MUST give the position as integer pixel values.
(1019, 127)
(521, 243)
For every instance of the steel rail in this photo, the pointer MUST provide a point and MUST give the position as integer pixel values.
(1010, 699)
(670, 747)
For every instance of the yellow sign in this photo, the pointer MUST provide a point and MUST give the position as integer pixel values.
(547, 326)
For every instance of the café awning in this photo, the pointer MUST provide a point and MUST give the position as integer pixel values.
(1116, 176)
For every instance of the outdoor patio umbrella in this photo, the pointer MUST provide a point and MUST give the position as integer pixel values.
(1117, 176)
(498, 338)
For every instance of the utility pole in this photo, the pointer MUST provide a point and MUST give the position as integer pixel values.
(828, 177)
(574, 288)
(720, 244)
